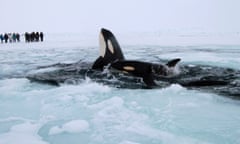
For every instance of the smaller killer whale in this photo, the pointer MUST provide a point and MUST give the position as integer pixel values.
(111, 54)
(147, 71)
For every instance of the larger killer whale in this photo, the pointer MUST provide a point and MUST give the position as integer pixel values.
(112, 68)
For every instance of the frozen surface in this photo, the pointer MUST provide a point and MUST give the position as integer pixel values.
(94, 113)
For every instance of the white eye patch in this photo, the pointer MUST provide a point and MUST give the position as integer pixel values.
(110, 46)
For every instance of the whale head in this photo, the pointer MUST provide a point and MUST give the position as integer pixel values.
(109, 49)
(109, 46)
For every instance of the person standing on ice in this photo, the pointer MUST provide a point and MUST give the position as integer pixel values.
(14, 38)
(5, 37)
(27, 37)
(41, 36)
(37, 36)
(18, 37)
(1, 37)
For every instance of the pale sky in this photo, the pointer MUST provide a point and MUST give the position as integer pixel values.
(57, 16)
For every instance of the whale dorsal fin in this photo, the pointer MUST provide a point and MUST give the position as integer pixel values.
(110, 50)
(172, 63)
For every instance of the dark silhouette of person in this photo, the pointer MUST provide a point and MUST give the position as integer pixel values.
(18, 37)
(5, 37)
(14, 38)
(41, 36)
(27, 37)
(10, 37)
(2, 38)
(33, 37)
(37, 36)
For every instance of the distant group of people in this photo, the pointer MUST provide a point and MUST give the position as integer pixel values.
(10, 37)
(34, 36)
(16, 37)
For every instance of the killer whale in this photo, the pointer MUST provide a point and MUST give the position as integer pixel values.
(147, 71)
(132, 74)
(110, 50)
(112, 55)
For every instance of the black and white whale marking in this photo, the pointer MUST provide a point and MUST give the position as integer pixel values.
(110, 50)
(111, 54)
(123, 73)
